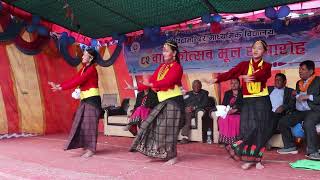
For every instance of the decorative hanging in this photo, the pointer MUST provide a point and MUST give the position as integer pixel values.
(105, 63)
(112, 59)
(11, 31)
(31, 48)
(12, 28)
(273, 14)
(95, 44)
(206, 18)
(215, 27)
(41, 37)
(276, 16)
(35, 26)
(214, 21)
(51, 50)
(63, 43)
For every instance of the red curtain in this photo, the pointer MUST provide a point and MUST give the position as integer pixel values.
(59, 106)
(8, 92)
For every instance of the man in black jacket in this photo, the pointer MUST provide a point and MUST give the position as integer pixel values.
(194, 100)
(282, 100)
(307, 111)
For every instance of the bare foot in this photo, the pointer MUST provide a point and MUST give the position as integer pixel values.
(171, 162)
(259, 166)
(88, 154)
(246, 166)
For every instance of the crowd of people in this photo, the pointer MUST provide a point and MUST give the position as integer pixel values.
(162, 110)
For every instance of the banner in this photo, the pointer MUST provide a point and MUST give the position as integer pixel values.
(201, 50)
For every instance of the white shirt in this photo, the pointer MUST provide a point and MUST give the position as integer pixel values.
(276, 98)
(303, 106)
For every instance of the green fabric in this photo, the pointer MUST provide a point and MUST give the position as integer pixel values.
(99, 18)
(306, 164)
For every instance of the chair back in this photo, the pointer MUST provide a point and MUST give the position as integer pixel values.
(109, 100)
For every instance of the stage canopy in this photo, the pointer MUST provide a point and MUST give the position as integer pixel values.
(98, 19)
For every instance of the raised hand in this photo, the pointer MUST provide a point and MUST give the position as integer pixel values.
(54, 86)
(145, 81)
(302, 97)
(130, 87)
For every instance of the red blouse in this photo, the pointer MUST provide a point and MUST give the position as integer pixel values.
(85, 80)
(173, 77)
(242, 69)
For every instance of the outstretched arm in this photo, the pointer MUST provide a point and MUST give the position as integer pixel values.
(78, 80)
(233, 73)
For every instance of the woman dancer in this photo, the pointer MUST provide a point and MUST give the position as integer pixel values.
(255, 125)
(158, 135)
(84, 129)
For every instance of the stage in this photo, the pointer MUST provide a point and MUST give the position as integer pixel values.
(42, 157)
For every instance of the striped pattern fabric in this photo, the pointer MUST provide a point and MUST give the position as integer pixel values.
(158, 135)
(84, 131)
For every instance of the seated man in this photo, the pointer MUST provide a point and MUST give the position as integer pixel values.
(281, 99)
(307, 111)
(195, 99)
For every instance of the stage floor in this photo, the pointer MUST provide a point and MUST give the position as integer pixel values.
(42, 157)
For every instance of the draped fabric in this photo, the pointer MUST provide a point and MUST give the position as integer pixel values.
(27, 103)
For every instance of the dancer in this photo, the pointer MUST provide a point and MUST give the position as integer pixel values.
(255, 116)
(84, 129)
(158, 135)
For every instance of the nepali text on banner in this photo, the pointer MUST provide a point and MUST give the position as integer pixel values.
(201, 50)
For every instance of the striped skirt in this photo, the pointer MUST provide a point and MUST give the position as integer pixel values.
(158, 135)
(84, 131)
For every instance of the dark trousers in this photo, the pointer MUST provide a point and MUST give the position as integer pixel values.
(275, 121)
(310, 119)
(185, 131)
(309, 127)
